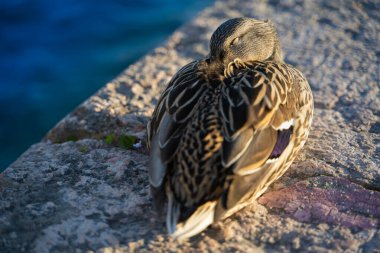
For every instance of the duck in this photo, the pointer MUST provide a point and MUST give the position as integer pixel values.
(226, 127)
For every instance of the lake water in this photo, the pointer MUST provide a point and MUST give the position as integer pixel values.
(55, 54)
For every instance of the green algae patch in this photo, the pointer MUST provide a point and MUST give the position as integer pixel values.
(109, 139)
(72, 138)
(122, 141)
(127, 141)
(83, 149)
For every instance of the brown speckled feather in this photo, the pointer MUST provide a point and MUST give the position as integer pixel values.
(218, 142)
(209, 134)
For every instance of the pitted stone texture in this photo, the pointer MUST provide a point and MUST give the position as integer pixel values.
(89, 196)
(327, 200)
(73, 195)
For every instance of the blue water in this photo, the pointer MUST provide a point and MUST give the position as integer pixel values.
(55, 54)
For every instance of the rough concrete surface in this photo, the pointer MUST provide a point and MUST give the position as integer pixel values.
(84, 188)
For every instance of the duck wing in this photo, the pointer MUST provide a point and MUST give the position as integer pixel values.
(259, 108)
(174, 108)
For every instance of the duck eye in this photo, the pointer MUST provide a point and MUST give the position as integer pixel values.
(235, 41)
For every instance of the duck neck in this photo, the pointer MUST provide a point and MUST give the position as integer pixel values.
(214, 69)
(277, 53)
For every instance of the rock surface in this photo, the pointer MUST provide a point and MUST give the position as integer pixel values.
(84, 188)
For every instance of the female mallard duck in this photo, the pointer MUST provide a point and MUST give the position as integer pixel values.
(226, 127)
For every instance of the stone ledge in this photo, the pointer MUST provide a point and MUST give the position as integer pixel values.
(81, 190)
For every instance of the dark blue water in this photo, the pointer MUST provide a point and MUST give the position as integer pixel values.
(55, 54)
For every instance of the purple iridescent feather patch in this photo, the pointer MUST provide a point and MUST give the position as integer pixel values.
(283, 137)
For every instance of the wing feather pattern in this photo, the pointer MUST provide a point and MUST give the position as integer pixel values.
(174, 108)
(215, 152)
(263, 88)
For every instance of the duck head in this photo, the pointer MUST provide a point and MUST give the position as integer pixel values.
(240, 40)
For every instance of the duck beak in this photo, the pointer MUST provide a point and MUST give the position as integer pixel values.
(215, 67)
